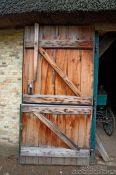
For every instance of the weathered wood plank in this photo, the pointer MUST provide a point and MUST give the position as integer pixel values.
(36, 45)
(78, 44)
(53, 152)
(59, 72)
(54, 161)
(105, 27)
(57, 109)
(102, 150)
(57, 99)
(56, 130)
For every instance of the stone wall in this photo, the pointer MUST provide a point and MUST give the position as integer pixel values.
(11, 56)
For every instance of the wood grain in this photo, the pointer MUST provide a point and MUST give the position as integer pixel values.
(57, 99)
(60, 72)
(78, 44)
(36, 45)
(53, 152)
(56, 130)
(71, 49)
(59, 109)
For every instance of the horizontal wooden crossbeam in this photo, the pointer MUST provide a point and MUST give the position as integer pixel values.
(43, 151)
(53, 156)
(57, 109)
(57, 99)
(60, 44)
(56, 130)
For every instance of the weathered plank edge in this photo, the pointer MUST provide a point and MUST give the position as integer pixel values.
(57, 99)
(53, 152)
(54, 161)
(57, 109)
(36, 45)
(76, 44)
(54, 156)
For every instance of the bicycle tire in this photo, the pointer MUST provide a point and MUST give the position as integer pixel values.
(109, 123)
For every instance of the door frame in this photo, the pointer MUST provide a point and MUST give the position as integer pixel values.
(95, 92)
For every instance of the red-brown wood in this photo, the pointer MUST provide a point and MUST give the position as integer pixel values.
(77, 65)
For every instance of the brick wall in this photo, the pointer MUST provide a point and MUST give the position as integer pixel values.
(11, 56)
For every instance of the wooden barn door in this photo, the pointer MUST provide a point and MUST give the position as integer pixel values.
(57, 95)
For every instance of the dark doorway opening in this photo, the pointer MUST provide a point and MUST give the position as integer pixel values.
(107, 73)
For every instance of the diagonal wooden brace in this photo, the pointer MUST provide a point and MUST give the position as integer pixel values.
(59, 72)
(56, 130)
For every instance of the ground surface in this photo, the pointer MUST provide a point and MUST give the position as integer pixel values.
(10, 166)
(109, 142)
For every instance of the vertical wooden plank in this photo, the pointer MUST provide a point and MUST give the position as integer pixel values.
(86, 73)
(74, 58)
(25, 81)
(39, 132)
(44, 77)
(54, 138)
(82, 131)
(29, 130)
(45, 160)
(24, 128)
(58, 161)
(95, 91)
(48, 132)
(29, 36)
(88, 130)
(38, 82)
(60, 86)
(48, 32)
(50, 75)
(72, 127)
(62, 127)
(36, 46)
(30, 63)
(35, 131)
(74, 68)
(75, 129)
(61, 61)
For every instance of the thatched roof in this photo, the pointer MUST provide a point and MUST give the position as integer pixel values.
(21, 12)
(21, 6)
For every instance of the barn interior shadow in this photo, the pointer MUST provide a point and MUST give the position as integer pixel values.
(107, 79)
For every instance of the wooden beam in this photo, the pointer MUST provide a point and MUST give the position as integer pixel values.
(106, 43)
(101, 149)
(53, 152)
(36, 45)
(78, 44)
(53, 156)
(59, 72)
(56, 130)
(57, 109)
(57, 99)
(105, 27)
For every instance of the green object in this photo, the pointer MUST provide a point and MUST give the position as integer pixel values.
(102, 100)
(95, 92)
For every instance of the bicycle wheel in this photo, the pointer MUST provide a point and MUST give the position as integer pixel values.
(109, 122)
